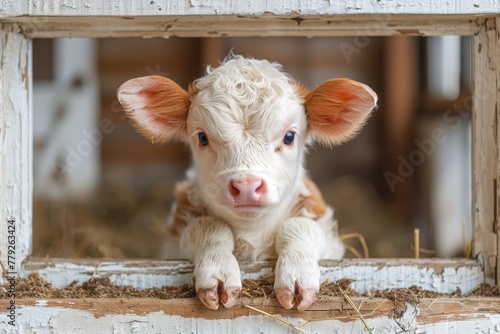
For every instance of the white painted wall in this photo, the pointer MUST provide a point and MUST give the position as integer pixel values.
(444, 67)
(67, 164)
(447, 178)
(451, 195)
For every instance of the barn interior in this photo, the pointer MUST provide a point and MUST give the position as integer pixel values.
(101, 190)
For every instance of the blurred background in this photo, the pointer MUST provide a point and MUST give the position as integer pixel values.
(101, 190)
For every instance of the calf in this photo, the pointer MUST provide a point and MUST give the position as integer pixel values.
(248, 197)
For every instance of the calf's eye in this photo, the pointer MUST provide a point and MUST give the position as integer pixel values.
(289, 137)
(203, 139)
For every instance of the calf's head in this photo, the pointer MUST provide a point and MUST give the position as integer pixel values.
(247, 124)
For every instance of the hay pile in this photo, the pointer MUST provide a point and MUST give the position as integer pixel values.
(34, 286)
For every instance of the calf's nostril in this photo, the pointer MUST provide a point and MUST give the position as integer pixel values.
(260, 188)
(233, 189)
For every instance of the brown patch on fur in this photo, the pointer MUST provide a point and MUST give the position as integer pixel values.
(184, 210)
(182, 207)
(314, 203)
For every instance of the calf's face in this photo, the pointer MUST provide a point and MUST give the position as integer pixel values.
(246, 127)
(247, 124)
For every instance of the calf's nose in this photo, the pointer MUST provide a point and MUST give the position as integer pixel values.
(247, 190)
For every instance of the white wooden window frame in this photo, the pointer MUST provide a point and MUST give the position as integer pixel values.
(22, 20)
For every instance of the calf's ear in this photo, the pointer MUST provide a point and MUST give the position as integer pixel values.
(157, 107)
(338, 109)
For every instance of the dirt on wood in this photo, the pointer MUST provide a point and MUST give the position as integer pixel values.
(35, 286)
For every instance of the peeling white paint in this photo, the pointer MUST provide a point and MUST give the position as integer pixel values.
(220, 7)
(15, 147)
(391, 276)
(45, 320)
(134, 273)
(438, 275)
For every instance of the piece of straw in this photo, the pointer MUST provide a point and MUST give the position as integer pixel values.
(361, 239)
(416, 237)
(349, 300)
(467, 245)
(276, 318)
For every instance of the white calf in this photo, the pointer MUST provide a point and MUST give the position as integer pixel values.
(248, 197)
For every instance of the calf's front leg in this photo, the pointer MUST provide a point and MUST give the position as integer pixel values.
(300, 243)
(209, 243)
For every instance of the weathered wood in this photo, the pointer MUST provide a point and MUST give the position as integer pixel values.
(212, 18)
(15, 151)
(22, 19)
(333, 308)
(485, 147)
(438, 275)
(335, 315)
(243, 25)
(235, 7)
(212, 51)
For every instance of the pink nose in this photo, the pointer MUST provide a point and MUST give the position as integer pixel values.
(247, 190)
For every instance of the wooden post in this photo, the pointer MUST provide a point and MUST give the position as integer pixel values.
(485, 147)
(401, 55)
(24, 19)
(212, 51)
(15, 150)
